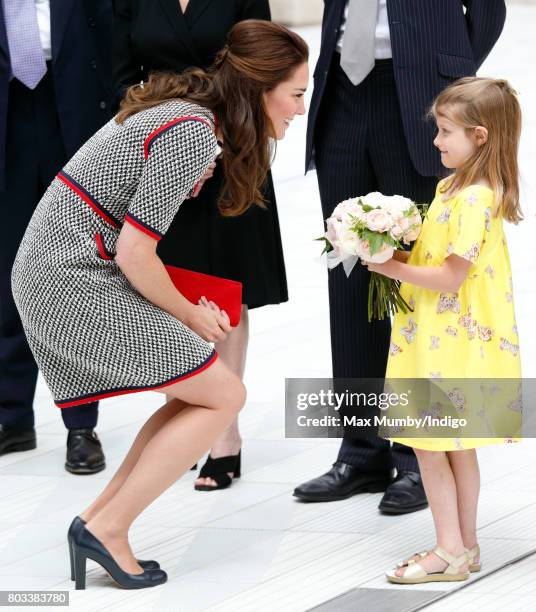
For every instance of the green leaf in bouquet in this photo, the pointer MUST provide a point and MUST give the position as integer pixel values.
(388, 239)
(358, 226)
(376, 241)
(328, 247)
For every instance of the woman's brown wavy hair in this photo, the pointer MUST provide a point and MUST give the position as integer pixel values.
(259, 55)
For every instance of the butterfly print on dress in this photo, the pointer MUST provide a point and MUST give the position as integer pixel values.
(444, 216)
(487, 217)
(485, 333)
(471, 199)
(394, 349)
(506, 345)
(409, 331)
(472, 253)
(457, 398)
(448, 302)
(467, 322)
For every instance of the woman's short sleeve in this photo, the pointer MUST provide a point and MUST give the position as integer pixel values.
(469, 222)
(176, 157)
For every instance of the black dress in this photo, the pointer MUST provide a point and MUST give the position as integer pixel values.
(156, 35)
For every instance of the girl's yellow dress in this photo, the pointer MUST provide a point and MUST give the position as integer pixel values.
(469, 335)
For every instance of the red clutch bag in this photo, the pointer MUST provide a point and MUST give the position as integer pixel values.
(227, 294)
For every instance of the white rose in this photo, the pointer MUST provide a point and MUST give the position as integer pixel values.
(348, 244)
(345, 210)
(379, 220)
(398, 202)
(398, 207)
(396, 232)
(414, 227)
(384, 254)
(360, 214)
(339, 212)
(374, 199)
(405, 224)
(334, 227)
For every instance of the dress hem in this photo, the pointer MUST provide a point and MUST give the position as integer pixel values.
(87, 399)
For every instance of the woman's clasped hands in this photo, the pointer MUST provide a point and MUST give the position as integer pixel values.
(208, 321)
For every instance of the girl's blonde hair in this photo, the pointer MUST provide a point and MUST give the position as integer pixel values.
(491, 103)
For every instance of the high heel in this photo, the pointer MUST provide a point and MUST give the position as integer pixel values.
(86, 546)
(218, 470)
(75, 526)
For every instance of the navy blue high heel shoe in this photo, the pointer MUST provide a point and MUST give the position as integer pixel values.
(85, 545)
(75, 526)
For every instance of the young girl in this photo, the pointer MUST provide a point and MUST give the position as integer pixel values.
(458, 280)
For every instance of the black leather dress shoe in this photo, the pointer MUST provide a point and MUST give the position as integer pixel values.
(342, 481)
(406, 494)
(12, 441)
(84, 452)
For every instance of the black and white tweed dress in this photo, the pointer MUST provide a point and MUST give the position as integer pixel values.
(93, 335)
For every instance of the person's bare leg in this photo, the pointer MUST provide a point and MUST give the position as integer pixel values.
(151, 426)
(466, 472)
(233, 352)
(440, 486)
(213, 398)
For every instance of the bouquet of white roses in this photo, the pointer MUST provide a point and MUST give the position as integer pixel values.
(370, 228)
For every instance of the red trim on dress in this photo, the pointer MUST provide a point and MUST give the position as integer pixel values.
(104, 395)
(102, 249)
(86, 199)
(166, 126)
(141, 227)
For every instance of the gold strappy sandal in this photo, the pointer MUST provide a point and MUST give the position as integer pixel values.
(412, 560)
(471, 555)
(416, 574)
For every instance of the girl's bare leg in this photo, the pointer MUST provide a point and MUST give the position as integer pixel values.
(440, 487)
(464, 465)
(210, 402)
(233, 352)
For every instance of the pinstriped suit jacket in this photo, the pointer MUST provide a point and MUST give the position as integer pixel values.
(434, 42)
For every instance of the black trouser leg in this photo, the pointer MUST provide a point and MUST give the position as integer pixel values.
(34, 154)
(360, 147)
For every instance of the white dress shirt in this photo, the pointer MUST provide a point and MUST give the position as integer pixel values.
(382, 45)
(42, 8)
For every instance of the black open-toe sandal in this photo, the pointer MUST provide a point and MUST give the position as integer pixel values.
(218, 469)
